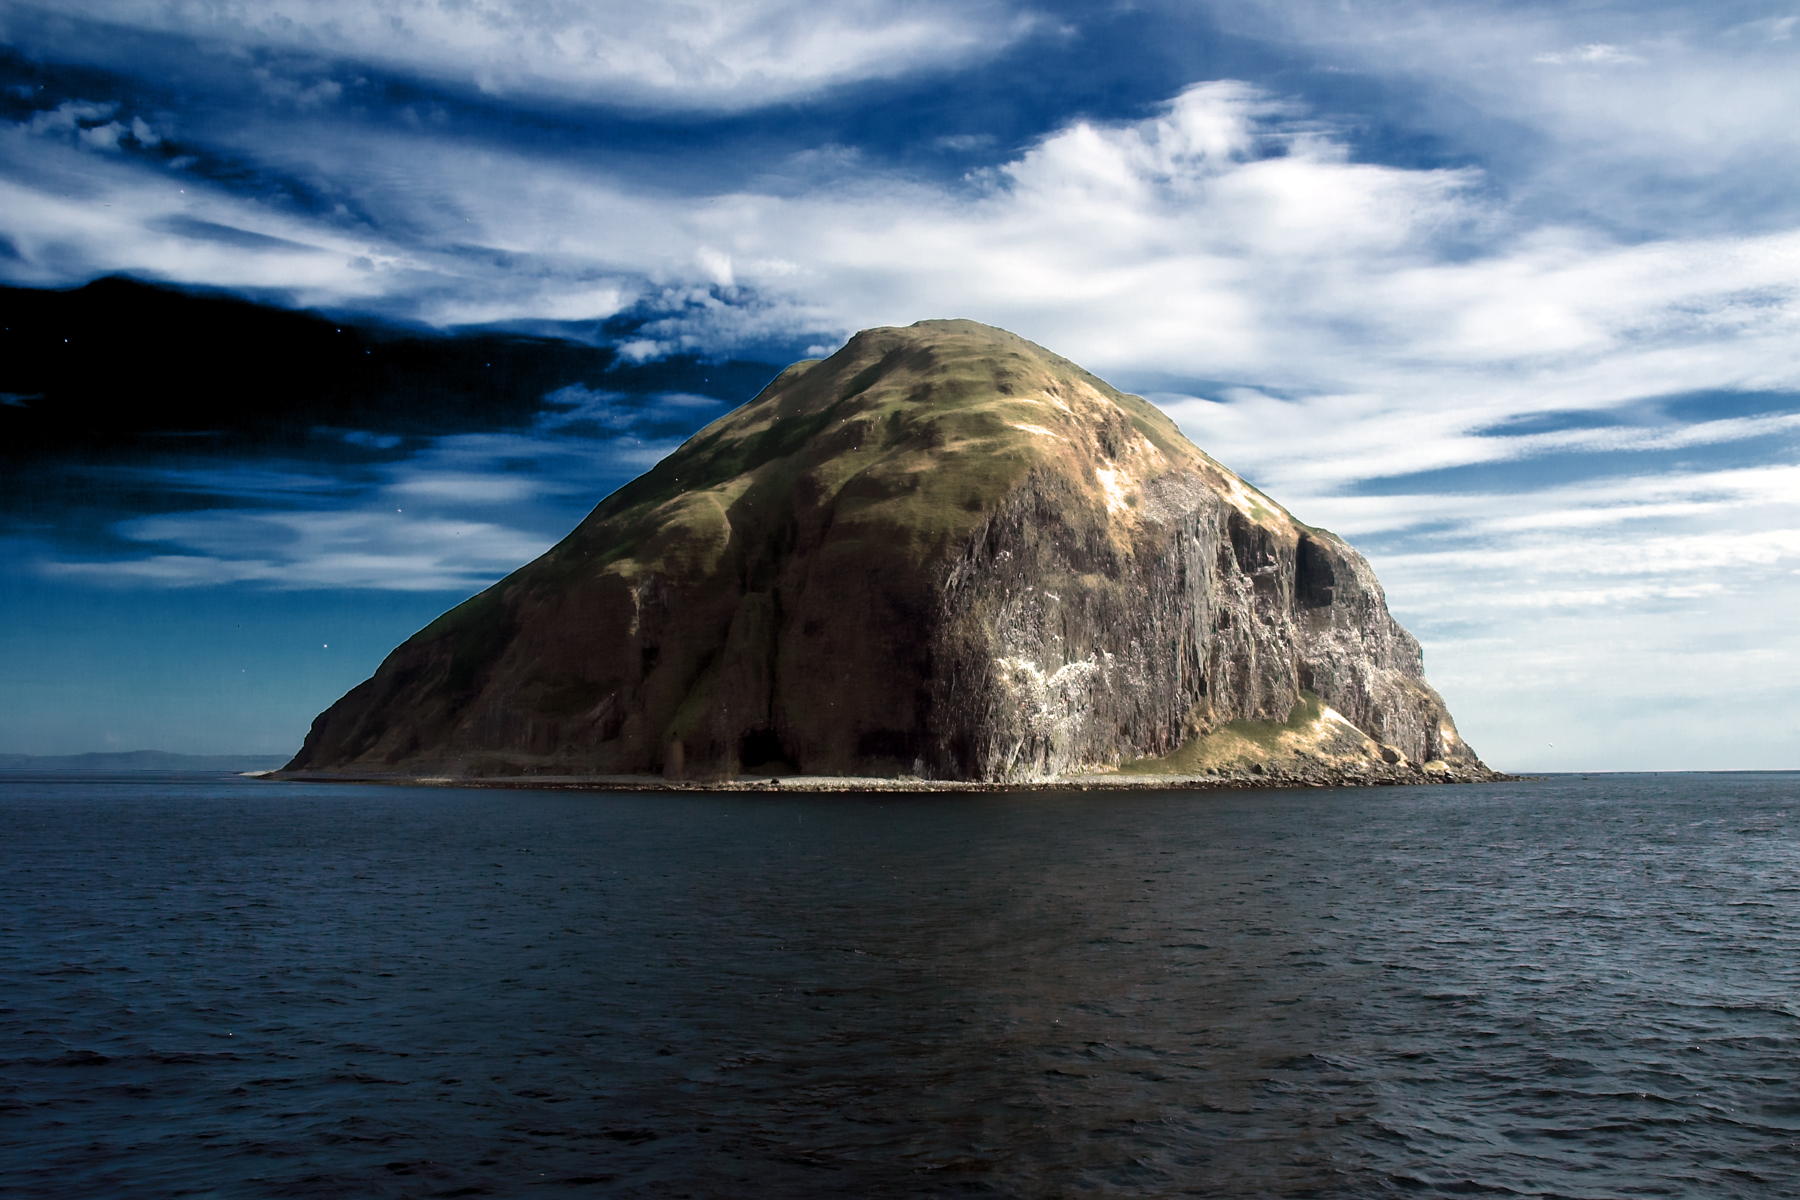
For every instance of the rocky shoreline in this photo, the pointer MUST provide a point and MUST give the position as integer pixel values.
(1254, 777)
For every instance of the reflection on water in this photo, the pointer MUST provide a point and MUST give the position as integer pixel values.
(1572, 987)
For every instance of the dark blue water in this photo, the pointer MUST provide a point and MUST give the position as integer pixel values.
(228, 988)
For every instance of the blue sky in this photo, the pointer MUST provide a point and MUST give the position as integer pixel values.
(1507, 294)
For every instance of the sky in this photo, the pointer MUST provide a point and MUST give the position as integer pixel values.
(318, 316)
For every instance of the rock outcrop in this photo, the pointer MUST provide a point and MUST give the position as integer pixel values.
(942, 552)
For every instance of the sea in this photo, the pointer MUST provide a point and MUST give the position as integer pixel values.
(1574, 986)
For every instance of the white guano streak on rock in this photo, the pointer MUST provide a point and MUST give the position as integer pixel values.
(1113, 484)
(1330, 716)
(1049, 699)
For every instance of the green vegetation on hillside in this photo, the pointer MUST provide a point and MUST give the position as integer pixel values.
(1233, 743)
(906, 435)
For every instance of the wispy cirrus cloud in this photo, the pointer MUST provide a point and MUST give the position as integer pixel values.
(287, 550)
(92, 124)
(450, 513)
(73, 213)
(692, 54)
(1320, 443)
(1231, 234)
(1602, 54)
(240, 482)
(1656, 117)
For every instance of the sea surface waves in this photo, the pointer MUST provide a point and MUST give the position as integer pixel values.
(1571, 987)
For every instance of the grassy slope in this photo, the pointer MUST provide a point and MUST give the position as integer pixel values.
(910, 432)
(1237, 743)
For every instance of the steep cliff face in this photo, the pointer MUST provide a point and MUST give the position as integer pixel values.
(943, 551)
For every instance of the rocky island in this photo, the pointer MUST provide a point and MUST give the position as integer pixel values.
(942, 557)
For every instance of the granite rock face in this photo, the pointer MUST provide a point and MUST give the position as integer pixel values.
(941, 552)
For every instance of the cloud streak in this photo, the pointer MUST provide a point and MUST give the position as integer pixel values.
(451, 513)
(1654, 117)
(689, 54)
(304, 550)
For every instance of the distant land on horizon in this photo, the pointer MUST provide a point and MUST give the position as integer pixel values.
(140, 760)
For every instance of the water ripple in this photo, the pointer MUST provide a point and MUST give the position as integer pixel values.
(1573, 988)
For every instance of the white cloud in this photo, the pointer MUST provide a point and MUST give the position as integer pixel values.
(77, 215)
(298, 550)
(544, 300)
(1227, 235)
(577, 402)
(319, 93)
(639, 350)
(688, 400)
(1201, 246)
(1592, 54)
(89, 124)
(1657, 117)
(1301, 446)
(1768, 29)
(70, 116)
(102, 137)
(966, 143)
(463, 487)
(683, 54)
